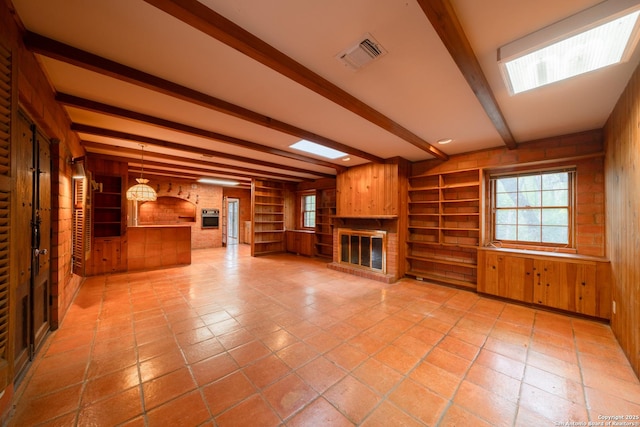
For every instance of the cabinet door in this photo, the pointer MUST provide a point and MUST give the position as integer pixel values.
(566, 285)
(516, 278)
(507, 276)
(551, 286)
(489, 272)
(107, 256)
(586, 292)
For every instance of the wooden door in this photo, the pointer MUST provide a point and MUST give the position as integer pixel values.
(21, 229)
(42, 239)
(32, 225)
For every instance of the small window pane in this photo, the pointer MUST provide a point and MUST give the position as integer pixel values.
(506, 216)
(555, 217)
(529, 217)
(558, 235)
(507, 200)
(507, 185)
(555, 181)
(506, 232)
(555, 198)
(529, 183)
(529, 198)
(529, 233)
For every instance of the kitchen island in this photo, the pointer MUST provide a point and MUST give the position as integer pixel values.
(158, 246)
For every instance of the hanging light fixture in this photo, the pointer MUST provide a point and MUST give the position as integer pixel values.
(141, 192)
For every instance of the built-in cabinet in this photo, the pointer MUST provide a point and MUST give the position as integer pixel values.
(325, 212)
(108, 217)
(268, 207)
(444, 223)
(108, 255)
(108, 206)
(574, 283)
(300, 242)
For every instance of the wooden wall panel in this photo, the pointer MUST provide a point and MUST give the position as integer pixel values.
(369, 190)
(622, 178)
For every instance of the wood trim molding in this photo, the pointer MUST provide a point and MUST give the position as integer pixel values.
(201, 17)
(42, 45)
(444, 20)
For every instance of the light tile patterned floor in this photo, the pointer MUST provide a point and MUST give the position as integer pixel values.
(238, 341)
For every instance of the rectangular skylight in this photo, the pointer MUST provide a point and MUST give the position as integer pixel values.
(317, 149)
(567, 51)
(217, 181)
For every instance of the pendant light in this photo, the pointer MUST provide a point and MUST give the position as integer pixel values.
(141, 192)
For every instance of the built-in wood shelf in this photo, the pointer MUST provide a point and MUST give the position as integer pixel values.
(445, 217)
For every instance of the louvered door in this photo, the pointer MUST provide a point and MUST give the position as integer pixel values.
(6, 100)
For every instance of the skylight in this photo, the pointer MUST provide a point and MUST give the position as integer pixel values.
(217, 181)
(561, 51)
(317, 149)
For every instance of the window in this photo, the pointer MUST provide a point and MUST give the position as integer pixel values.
(533, 208)
(308, 210)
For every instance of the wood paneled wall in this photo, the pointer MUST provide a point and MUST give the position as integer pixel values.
(622, 177)
(368, 191)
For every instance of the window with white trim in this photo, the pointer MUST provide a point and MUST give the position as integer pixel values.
(533, 208)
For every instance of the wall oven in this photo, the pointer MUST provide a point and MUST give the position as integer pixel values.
(210, 218)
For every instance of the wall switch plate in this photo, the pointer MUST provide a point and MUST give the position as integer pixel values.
(614, 307)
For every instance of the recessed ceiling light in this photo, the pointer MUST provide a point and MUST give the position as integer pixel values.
(594, 38)
(317, 149)
(216, 181)
(445, 140)
(346, 159)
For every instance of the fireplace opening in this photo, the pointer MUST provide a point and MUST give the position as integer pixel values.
(363, 248)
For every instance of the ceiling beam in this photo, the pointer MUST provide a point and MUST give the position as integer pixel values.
(199, 16)
(137, 170)
(131, 155)
(83, 59)
(445, 21)
(94, 130)
(98, 107)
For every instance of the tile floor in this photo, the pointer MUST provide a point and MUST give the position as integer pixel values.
(238, 341)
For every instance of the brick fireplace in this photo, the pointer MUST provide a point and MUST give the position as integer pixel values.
(366, 247)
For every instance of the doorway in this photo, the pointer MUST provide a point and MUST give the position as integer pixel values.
(233, 220)
(33, 224)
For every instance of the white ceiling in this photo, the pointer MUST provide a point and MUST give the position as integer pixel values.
(416, 84)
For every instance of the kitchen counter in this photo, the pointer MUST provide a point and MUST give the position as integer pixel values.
(159, 246)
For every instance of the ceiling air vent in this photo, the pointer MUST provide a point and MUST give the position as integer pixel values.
(362, 53)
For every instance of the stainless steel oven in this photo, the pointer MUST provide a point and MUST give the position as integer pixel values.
(210, 218)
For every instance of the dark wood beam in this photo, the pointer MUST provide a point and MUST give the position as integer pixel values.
(199, 16)
(445, 21)
(98, 107)
(93, 130)
(80, 58)
(130, 155)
